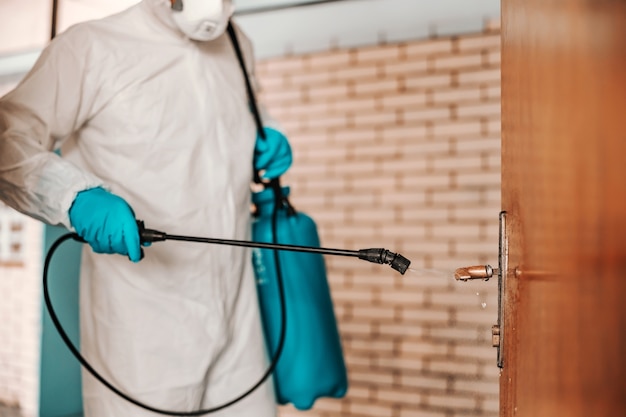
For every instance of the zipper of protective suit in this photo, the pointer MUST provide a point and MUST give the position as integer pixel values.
(375, 255)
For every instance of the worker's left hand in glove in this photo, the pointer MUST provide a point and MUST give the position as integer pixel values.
(272, 155)
(106, 222)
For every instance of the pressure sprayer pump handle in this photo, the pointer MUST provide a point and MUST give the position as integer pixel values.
(374, 255)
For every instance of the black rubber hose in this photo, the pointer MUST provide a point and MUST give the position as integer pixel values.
(92, 371)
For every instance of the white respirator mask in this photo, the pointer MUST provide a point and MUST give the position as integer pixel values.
(202, 20)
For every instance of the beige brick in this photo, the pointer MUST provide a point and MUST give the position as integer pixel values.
(454, 334)
(306, 77)
(353, 295)
(378, 54)
(476, 247)
(352, 328)
(349, 105)
(425, 113)
(483, 76)
(410, 412)
(490, 42)
(283, 65)
(491, 405)
(464, 162)
(364, 167)
(455, 299)
(445, 365)
(428, 81)
(458, 61)
(371, 378)
(322, 153)
(468, 179)
(436, 147)
(409, 134)
(374, 345)
(373, 87)
(383, 118)
(428, 47)
(373, 410)
(452, 401)
(447, 231)
(402, 298)
(400, 329)
(355, 73)
(494, 58)
(403, 100)
(423, 382)
(328, 92)
(406, 166)
(399, 231)
(329, 405)
(390, 363)
(360, 393)
(493, 92)
(422, 214)
(355, 359)
(476, 315)
(425, 315)
(330, 60)
(491, 143)
(420, 348)
(397, 396)
(324, 122)
(456, 95)
(494, 127)
(410, 66)
(357, 134)
(373, 182)
(441, 180)
(367, 199)
(371, 312)
(476, 110)
(273, 83)
(457, 128)
(472, 386)
(283, 95)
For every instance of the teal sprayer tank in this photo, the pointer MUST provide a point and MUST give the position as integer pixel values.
(311, 364)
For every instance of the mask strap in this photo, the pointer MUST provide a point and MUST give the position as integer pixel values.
(177, 5)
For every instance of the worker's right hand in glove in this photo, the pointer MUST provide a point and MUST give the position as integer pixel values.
(106, 222)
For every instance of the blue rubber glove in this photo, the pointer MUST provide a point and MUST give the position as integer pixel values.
(106, 222)
(272, 154)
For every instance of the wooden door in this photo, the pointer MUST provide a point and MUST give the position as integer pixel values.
(564, 189)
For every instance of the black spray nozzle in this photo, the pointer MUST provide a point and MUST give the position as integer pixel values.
(383, 256)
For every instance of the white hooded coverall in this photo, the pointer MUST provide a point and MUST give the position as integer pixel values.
(164, 122)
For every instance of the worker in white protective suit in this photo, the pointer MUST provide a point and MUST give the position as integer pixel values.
(150, 111)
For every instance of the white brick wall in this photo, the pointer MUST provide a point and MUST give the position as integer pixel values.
(398, 146)
(20, 310)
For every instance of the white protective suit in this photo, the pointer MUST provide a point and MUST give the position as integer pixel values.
(163, 122)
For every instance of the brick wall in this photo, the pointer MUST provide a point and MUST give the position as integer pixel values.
(398, 146)
(20, 310)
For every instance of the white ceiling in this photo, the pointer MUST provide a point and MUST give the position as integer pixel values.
(25, 24)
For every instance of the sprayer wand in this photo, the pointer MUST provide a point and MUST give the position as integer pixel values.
(374, 255)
